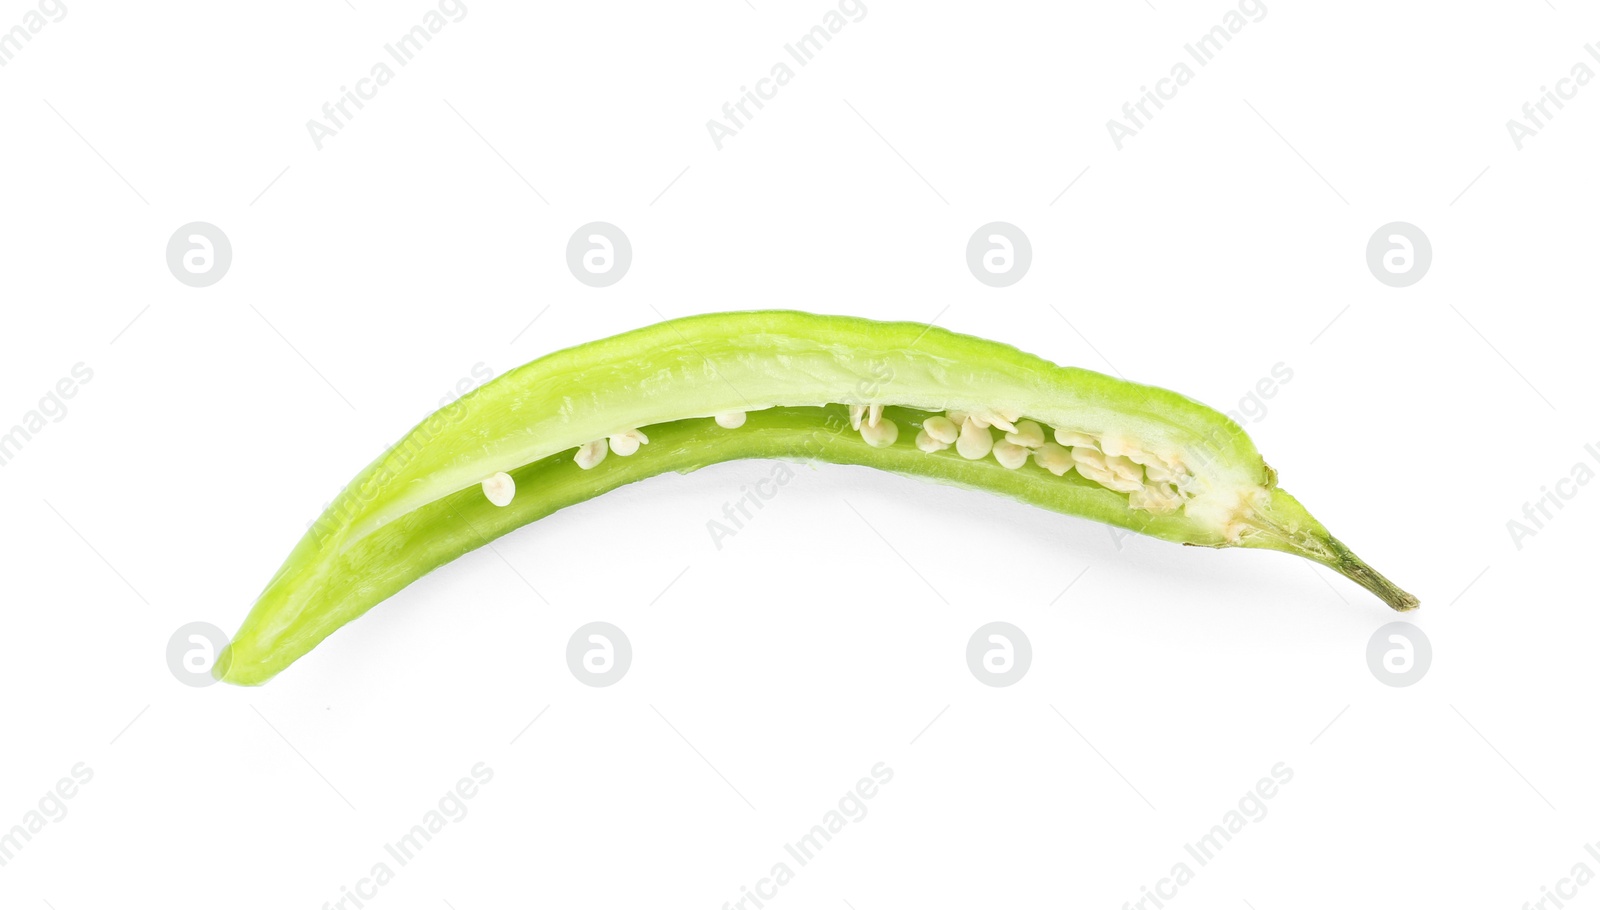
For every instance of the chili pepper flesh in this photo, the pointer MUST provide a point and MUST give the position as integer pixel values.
(684, 394)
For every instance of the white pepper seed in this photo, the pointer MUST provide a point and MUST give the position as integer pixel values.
(1029, 435)
(1053, 458)
(590, 454)
(975, 441)
(500, 489)
(881, 434)
(1010, 455)
(942, 429)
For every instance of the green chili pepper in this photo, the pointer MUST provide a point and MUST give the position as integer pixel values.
(692, 392)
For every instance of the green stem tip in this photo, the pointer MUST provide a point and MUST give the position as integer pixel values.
(1285, 525)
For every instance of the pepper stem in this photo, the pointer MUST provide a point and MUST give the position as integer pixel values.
(1352, 567)
(1286, 525)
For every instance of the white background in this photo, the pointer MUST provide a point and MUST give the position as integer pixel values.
(372, 275)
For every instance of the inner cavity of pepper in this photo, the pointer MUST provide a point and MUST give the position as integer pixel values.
(1153, 483)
